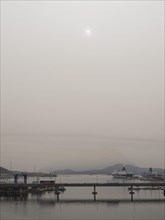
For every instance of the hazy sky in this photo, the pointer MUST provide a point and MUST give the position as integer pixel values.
(82, 84)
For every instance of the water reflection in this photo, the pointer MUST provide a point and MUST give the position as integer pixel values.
(77, 203)
(112, 202)
(42, 200)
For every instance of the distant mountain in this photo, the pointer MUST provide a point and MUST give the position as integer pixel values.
(108, 170)
(66, 171)
(5, 172)
(130, 168)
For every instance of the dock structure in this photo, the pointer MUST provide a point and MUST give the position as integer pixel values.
(22, 186)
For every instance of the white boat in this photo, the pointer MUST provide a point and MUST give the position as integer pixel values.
(37, 181)
(122, 173)
(62, 188)
(134, 188)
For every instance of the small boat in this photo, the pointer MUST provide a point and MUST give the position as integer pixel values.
(36, 190)
(162, 187)
(37, 181)
(62, 188)
(134, 188)
(45, 182)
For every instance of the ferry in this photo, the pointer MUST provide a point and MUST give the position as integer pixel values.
(123, 174)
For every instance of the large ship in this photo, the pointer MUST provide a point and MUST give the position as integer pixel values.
(122, 173)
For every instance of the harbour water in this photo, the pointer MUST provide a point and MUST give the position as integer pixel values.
(77, 202)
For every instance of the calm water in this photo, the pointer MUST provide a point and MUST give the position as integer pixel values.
(77, 203)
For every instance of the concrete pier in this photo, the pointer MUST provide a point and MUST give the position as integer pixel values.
(23, 189)
(127, 184)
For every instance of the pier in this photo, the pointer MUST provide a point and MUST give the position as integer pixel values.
(21, 188)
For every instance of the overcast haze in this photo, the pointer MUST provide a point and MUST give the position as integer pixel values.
(82, 84)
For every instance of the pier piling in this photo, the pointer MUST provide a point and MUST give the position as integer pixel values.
(57, 192)
(132, 193)
(94, 192)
